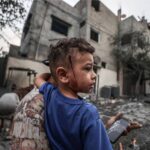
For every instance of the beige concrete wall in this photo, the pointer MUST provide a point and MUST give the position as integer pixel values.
(20, 78)
(41, 35)
(105, 23)
(107, 78)
(130, 25)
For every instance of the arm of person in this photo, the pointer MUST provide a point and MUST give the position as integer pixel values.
(41, 79)
(94, 134)
(45, 83)
(132, 125)
(113, 119)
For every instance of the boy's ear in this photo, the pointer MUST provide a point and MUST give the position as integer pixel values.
(62, 75)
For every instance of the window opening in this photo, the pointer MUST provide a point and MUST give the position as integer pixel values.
(94, 35)
(95, 4)
(60, 26)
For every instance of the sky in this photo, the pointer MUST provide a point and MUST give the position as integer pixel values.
(9, 35)
(138, 8)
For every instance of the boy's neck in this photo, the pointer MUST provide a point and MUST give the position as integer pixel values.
(68, 92)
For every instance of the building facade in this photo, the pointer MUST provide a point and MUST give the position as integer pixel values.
(135, 37)
(48, 21)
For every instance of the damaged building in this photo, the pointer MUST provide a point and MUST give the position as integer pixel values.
(135, 37)
(49, 21)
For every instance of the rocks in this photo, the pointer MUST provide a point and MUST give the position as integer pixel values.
(134, 110)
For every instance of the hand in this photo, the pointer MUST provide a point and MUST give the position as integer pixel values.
(132, 125)
(40, 79)
(113, 119)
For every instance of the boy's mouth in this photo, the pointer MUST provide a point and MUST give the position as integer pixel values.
(92, 85)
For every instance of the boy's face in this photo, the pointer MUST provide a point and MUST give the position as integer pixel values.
(81, 75)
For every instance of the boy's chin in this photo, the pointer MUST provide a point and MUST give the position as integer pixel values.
(87, 91)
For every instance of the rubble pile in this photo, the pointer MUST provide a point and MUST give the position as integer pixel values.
(137, 111)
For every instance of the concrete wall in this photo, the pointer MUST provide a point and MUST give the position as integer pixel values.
(127, 26)
(130, 25)
(108, 78)
(106, 24)
(107, 29)
(20, 78)
(40, 35)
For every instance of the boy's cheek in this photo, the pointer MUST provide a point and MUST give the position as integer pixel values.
(73, 83)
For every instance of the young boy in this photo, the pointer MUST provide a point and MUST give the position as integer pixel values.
(70, 122)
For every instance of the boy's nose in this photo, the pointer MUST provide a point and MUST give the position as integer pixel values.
(93, 75)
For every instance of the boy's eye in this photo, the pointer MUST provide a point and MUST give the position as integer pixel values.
(88, 68)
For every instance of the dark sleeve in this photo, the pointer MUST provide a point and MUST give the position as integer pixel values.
(94, 133)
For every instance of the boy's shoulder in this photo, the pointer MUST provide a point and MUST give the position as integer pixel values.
(90, 107)
(90, 110)
(46, 86)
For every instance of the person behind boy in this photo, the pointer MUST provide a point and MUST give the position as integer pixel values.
(70, 122)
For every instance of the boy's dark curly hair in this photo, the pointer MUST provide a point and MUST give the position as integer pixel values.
(65, 48)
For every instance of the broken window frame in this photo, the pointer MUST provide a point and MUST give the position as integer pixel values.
(82, 23)
(59, 26)
(95, 4)
(94, 35)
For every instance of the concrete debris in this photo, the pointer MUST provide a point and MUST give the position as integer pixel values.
(133, 110)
